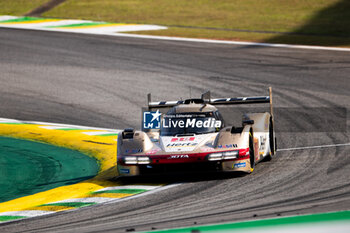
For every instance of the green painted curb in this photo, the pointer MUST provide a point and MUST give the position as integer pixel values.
(28, 167)
(314, 218)
(9, 218)
(79, 25)
(107, 135)
(22, 19)
(71, 204)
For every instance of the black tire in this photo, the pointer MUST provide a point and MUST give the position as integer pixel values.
(251, 152)
(272, 143)
(272, 139)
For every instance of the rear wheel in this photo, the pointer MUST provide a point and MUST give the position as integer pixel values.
(251, 152)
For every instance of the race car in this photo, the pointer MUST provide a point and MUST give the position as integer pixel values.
(192, 135)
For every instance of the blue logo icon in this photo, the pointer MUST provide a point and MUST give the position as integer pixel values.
(125, 171)
(151, 120)
(238, 165)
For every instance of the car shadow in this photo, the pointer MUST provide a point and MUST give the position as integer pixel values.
(183, 177)
(330, 26)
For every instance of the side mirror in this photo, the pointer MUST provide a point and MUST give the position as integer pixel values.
(236, 130)
(128, 133)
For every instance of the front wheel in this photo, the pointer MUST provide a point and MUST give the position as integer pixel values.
(272, 142)
(251, 152)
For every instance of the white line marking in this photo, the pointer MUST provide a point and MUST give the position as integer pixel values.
(230, 42)
(93, 133)
(43, 24)
(86, 200)
(26, 213)
(156, 27)
(7, 17)
(108, 29)
(313, 147)
(115, 200)
(142, 194)
(147, 187)
(100, 29)
(6, 120)
(56, 127)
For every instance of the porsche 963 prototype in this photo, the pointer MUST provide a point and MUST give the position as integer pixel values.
(192, 134)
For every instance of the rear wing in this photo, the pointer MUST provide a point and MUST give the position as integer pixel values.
(206, 99)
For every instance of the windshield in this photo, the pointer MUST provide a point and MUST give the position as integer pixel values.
(189, 123)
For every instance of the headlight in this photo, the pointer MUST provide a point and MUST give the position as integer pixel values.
(230, 154)
(143, 160)
(136, 160)
(130, 160)
(223, 155)
(215, 156)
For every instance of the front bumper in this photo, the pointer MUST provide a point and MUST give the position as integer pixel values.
(212, 166)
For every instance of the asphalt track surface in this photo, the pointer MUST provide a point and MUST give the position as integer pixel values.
(103, 81)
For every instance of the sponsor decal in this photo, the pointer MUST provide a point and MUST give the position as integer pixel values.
(178, 157)
(262, 142)
(206, 149)
(153, 151)
(188, 143)
(239, 165)
(133, 151)
(151, 120)
(227, 146)
(181, 144)
(124, 171)
(182, 139)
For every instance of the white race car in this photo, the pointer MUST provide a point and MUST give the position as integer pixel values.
(192, 135)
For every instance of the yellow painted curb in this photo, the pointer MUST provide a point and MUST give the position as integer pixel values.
(104, 149)
(32, 21)
(52, 208)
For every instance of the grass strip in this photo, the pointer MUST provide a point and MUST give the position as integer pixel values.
(19, 7)
(313, 218)
(9, 218)
(314, 22)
